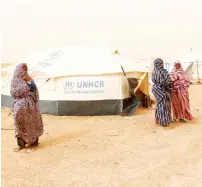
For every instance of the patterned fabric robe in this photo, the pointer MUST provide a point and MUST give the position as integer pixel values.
(180, 95)
(27, 118)
(162, 92)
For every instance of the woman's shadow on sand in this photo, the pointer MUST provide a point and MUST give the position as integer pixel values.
(180, 124)
(55, 141)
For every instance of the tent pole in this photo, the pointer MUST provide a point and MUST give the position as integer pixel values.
(197, 64)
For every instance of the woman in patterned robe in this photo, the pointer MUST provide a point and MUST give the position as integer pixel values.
(27, 118)
(162, 92)
(180, 95)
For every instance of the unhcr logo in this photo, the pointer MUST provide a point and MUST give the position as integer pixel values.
(88, 86)
(69, 85)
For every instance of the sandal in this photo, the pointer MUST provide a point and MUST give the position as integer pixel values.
(182, 121)
(36, 143)
(168, 127)
(21, 144)
(157, 124)
(18, 148)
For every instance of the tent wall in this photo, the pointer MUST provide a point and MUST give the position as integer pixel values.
(82, 88)
(88, 95)
(81, 95)
(78, 95)
(74, 108)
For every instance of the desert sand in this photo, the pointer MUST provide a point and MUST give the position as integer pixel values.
(107, 151)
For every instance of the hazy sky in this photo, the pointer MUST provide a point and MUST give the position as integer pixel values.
(140, 28)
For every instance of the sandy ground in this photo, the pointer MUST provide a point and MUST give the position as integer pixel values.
(109, 151)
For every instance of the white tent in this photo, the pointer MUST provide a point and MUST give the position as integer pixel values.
(194, 58)
(191, 63)
(82, 81)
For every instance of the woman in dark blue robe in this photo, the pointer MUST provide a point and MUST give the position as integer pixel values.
(162, 92)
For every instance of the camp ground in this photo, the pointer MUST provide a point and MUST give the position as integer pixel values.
(80, 80)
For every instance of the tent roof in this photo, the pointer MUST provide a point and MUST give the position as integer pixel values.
(78, 60)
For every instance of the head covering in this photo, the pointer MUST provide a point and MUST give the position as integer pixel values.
(18, 85)
(179, 77)
(160, 75)
(158, 63)
(20, 70)
(161, 80)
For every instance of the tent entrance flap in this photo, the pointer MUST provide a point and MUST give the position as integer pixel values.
(131, 104)
(137, 97)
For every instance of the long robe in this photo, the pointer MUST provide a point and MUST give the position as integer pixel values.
(162, 92)
(180, 94)
(27, 118)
